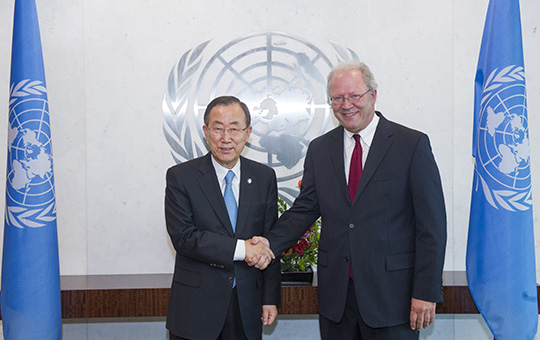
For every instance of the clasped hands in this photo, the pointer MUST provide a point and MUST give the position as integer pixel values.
(258, 252)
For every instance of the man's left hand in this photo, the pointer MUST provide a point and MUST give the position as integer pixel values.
(269, 313)
(422, 313)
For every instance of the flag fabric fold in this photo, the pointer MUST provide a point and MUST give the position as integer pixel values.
(501, 269)
(30, 291)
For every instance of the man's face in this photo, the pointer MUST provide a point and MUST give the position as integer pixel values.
(353, 116)
(226, 148)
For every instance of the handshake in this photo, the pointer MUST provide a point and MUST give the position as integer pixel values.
(258, 252)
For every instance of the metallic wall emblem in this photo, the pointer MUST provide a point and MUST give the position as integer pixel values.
(282, 79)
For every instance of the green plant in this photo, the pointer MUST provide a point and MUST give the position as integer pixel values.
(303, 254)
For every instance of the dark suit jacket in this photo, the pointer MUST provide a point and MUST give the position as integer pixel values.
(394, 231)
(201, 233)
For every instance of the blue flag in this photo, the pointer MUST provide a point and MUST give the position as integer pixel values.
(501, 269)
(30, 292)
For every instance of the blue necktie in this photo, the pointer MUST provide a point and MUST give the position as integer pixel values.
(230, 201)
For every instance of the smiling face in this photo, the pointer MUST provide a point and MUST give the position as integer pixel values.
(353, 117)
(225, 148)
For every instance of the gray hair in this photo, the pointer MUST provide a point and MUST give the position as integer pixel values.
(353, 65)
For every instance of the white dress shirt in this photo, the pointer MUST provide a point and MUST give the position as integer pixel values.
(221, 172)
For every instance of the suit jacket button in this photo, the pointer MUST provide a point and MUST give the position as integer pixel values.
(231, 279)
(347, 259)
(351, 226)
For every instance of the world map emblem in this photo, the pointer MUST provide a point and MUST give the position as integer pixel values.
(30, 198)
(503, 155)
(281, 78)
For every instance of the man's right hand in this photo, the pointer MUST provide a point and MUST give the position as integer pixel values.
(258, 252)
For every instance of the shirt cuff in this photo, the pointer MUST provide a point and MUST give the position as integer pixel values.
(240, 251)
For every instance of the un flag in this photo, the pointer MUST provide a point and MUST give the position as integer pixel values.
(30, 294)
(501, 270)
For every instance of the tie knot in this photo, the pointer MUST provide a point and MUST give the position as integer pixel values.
(356, 138)
(229, 177)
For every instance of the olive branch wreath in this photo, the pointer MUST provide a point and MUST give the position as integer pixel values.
(175, 104)
(25, 88)
(33, 218)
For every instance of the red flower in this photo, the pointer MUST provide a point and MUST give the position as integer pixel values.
(303, 254)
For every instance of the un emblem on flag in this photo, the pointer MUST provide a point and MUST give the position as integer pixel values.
(30, 199)
(282, 80)
(503, 155)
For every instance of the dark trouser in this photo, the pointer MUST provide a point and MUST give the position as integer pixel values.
(233, 328)
(352, 326)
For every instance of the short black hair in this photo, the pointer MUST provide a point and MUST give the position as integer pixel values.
(226, 101)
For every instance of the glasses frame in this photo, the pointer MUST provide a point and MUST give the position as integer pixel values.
(233, 132)
(340, 99)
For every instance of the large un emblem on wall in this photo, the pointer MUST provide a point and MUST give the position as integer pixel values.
(281, 78)
(503, 158)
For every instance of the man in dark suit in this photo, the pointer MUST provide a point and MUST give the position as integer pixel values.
(213, 206)
(383, 233)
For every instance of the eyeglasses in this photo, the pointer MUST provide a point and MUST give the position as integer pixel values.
(353, 98)
(233, 132)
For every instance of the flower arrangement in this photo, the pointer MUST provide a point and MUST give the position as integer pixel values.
(303, 254)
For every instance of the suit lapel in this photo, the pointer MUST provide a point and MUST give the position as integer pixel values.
(379, 147)
(336, 153)
(210, 187)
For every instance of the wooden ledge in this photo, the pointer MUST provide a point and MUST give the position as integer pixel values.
(146, 295)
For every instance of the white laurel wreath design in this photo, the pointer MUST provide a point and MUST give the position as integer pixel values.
(344, 54)
(26, 88)
(21, 217)
(495, 80)
(507, 199)
(175, 104)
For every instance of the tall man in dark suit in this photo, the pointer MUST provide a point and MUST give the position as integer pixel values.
(213, 206)
(383, 233)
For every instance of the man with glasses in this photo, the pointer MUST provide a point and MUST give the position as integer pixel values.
(377, 187)
(213, 206)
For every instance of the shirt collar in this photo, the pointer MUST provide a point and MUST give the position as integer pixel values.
(367, 134)
(221, 171)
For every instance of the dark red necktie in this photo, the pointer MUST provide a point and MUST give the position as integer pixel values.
(355, 171)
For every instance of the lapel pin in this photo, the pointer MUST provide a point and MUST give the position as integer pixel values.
(249, 181)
